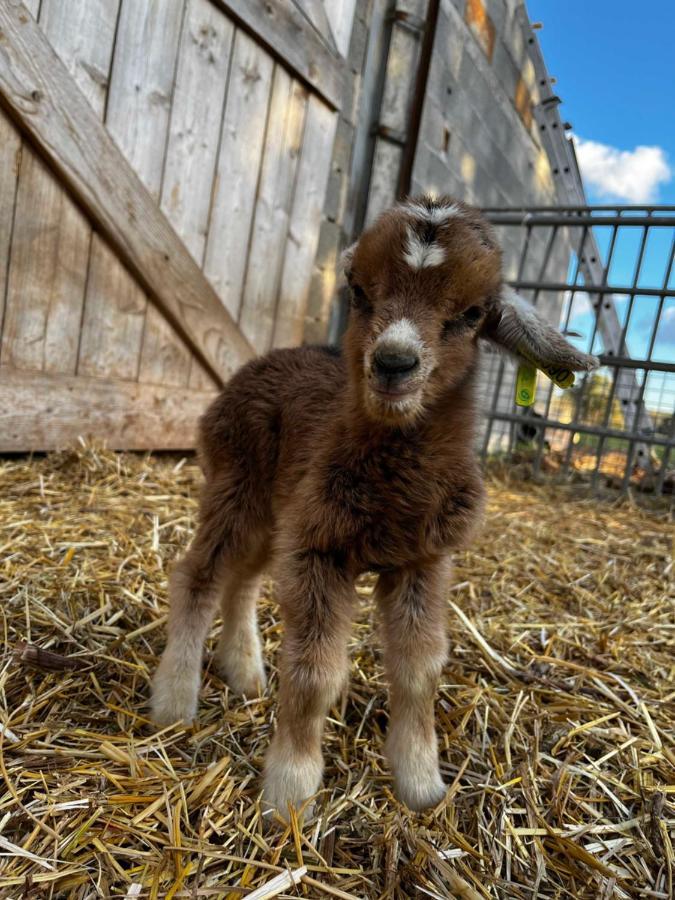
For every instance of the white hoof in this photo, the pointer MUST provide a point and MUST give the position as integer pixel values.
(290, 779)
(422, 791)
(241, 667)
(414, 764)
(175, 695)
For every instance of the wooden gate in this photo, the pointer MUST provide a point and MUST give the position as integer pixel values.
(163, 168)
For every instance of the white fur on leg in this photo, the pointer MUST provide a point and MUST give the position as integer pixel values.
(289, 777)
(238, 654)
(239, 659)
(175, 687)
(414, 763)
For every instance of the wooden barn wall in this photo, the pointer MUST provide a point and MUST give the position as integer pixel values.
(235, 150)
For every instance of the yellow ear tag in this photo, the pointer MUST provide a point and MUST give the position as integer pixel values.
(526, 384)
(559, 375)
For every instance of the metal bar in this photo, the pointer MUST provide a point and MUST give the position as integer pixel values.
(534, 220)
(617, 373)
(549, 393)
(582, 429)
(555, 287)
(577, 405)
(599, 305)
(555, 210)
(501, 366)
(650, 350)
(428, 30)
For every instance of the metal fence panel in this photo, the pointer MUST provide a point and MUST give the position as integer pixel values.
(606, 274)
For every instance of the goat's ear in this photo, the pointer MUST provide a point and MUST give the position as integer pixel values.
(515, 325)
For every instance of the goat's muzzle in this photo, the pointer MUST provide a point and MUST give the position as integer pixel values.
(393, 368)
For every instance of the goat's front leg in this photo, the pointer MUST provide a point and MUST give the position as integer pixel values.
(412, 606)
(316, 598)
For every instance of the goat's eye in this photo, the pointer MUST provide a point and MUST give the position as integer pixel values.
(472, 314)
(359, 299)
(460, 323)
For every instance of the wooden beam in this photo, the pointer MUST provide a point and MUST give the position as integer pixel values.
(48, 412)
(288, 35)
(44, 100)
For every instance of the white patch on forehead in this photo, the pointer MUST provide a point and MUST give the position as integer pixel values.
(420, 255)
(436, 215)
(401, 333)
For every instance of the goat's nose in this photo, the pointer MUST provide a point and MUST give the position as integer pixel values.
(395, 362)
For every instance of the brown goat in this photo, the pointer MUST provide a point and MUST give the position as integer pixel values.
(333, 464)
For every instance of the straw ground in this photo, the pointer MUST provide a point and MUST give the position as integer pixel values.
(556, 714)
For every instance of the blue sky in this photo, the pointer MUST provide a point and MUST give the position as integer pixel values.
(614, 61)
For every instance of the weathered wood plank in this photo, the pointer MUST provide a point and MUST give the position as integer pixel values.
(42, 97)
(113, 321)
(139, 102)
(10, 160)
(46, 412)
(52, 237)
(305, 222)
(275, 195)
(45, 281)
(138, 114)
(83, 33)
(315, 12)
(341, 16)
(33, 7)
(282, 28)
(234, 190)
(196, 116)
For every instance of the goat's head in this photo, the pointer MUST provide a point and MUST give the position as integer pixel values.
(426, 283)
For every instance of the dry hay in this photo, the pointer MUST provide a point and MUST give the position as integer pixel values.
(556, 713)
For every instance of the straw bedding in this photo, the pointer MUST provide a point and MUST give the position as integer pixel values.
(556, 714)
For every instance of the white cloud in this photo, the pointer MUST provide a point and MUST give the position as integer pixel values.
(630, 176)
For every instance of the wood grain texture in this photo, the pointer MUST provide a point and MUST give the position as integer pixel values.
(48, 412)
(196, 116)
(52, 237)
(83, 33)
(141, 85)
(43, 98)
(315, 12)
(10, 161)
(305, 222)
(238, 166)
(114, 315)
(45, 280)
(138, 114)
(281, 27)
(341, 16)
(273, 206)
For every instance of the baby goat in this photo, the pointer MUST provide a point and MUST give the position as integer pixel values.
(338, 463)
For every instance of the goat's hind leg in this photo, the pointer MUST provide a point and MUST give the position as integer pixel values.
(238, 654)
(195, 586)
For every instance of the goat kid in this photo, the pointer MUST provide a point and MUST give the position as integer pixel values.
(332, 464)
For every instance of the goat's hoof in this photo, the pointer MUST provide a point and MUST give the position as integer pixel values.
(247, 679)
(174, 699)
(421, 792)
(242, 670)
(290, 780)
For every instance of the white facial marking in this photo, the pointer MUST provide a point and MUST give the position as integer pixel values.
(419, 255)
(436, 215)
(401, 334)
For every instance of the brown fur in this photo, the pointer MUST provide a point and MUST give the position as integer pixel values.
(311, 462)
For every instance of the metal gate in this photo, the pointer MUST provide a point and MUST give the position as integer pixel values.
(607, 275)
